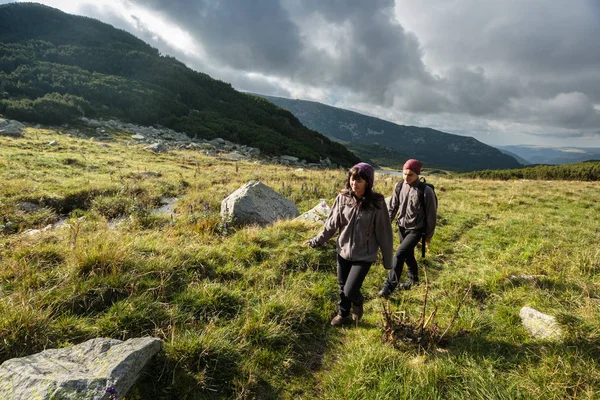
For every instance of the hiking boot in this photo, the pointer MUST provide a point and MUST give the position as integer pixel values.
(340, 320)
(357, 312)
(385, 292)
(406, 285)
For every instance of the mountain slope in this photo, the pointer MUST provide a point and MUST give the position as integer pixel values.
(428, 145)
(56, 67)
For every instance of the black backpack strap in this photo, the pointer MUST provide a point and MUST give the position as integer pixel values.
(421, 191)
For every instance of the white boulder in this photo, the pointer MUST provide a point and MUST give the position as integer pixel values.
(257, 203)
(540, 325)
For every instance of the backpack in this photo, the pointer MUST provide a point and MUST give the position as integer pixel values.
(421, 186)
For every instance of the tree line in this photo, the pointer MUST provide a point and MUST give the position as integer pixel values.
(583, 171)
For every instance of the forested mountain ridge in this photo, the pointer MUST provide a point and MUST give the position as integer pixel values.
(56, 67)
(431, 146)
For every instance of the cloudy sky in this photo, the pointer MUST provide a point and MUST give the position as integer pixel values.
(504, 72)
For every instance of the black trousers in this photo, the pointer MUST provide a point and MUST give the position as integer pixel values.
(405, 254)
(351, 275)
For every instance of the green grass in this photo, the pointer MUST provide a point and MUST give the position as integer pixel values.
(244, 311)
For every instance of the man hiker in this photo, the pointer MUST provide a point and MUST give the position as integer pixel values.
(418, 209)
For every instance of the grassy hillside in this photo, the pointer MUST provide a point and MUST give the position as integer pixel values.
(56, 67)
(244, 311)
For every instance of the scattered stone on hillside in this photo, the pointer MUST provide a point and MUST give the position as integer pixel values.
(53, 143)
(290, 159)
(148, 174)
(31, 232)
(28, 207)
(95, 369)
(318, 213)
(104, 138)
(105, 145)
(150, 135)
(299, 170)
(540, 325)
(9, 127)
(234, 156)
(157, 148)
(516, 278)
(257, 203)
(167, 206)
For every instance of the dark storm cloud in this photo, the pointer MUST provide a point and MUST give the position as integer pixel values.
(248, 35)
(274, 37)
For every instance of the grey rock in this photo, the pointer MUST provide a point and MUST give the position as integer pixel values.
(32, 232)
(104, 138)
(157, 148)
(531, 278)
(257, 203)
(289, 158)
(167, 206)
(233, 156)
(53, 143)
(540, 325)
(137, 136)
(92, 123)
(318, 213)
(83, 371)
(28, 207)
(11, 128)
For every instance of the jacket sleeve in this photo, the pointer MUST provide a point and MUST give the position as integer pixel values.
(331, 225)
(395, 201)
(385, 236)
(430, 212)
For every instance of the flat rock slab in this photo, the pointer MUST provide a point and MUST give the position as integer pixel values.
(318, 213)
(540, 325)
(93, 370)
(256, 203)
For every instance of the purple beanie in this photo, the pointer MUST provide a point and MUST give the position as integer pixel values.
(368, 170)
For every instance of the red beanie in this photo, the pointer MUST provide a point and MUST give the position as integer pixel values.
(413, 165)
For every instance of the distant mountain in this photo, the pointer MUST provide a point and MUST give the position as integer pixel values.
(56, 67)
(515, 156)
(553, 155)
(432, 147)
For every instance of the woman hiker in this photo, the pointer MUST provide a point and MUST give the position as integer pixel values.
(362, 219)
(415, 220)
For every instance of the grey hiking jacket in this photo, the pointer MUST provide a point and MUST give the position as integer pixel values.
(413, 214)
(362, 232)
